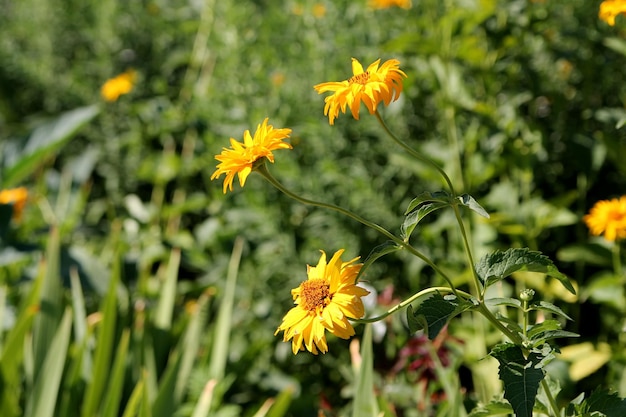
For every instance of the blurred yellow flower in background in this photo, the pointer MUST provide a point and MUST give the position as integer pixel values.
(369, 86)
(610, 9)
(115, 87)
(17, 197)
(241, 157)
(385, 4)
(608, 217)
(324, 302)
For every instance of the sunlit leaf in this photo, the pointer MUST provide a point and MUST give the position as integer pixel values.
(428, 197)
(498, 265)
(434, 312)
(413, 218)
(469, 202)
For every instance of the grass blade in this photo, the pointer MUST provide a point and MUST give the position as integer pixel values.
(364, 397)
(221, 337)
(104, 346)
(42, 401)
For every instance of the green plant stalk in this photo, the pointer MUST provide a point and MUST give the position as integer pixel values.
(417, 155)
(261, 168)
(551, 400)
(411, 299)
(414, 153)
(515, 338)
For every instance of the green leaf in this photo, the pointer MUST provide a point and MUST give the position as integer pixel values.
(498, 265)
(434, 312)
(469, 202)
(608, 404)
(167, 297)
(546, 306)
(111, 403)
(414, 217)
(494, 408)
(547, 330)
(509, 302)
(219, 352)
(104, 346)
(521, 377)
(428, 197)
(364, 397)
(43, 398)
(600, 403)
(378, 252)
(44, 141)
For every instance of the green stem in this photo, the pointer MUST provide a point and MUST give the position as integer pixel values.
(262, 169)
(514, 337)
(617, 261)
(417, 155)
(551, 400)
(412, 298)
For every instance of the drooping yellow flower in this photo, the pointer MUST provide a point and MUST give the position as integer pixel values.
(117, 86)
(384, 4)
(608, 217)
(371, 86)
(17, 197)
(610, 9)
(324, 302)
(241, 157)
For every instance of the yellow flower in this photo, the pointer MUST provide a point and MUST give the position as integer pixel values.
(371, 87)
(17, 197)
(324, 302)
(115, 87)
(609, 9)
(384, 4)
(241, 157)
(608, 217)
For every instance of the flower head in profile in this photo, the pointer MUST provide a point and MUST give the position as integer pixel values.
(17, 197)
(385, 4)
(610, 9)
(377, 83)
(241, 158)
(608, 218)
(117, 86)
(324, 302)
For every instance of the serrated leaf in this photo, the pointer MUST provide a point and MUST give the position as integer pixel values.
(603, 402)
(521, 377)
(434, 312)
(413, 218)
(428, 197)
(498, 265)
(469, 202)
(546, 306)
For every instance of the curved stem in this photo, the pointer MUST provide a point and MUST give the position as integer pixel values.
(551, 400)
(416, 154)
(262, 169)
(424, 158)
(412, 298)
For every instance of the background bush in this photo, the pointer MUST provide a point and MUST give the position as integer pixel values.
(520, 101)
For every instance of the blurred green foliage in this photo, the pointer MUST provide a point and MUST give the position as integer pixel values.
(521, 102)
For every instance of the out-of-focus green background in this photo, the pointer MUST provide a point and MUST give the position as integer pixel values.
(521, 102)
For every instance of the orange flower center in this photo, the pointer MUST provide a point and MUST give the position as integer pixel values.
(362, 78)
(616, 216)
(314, 293)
